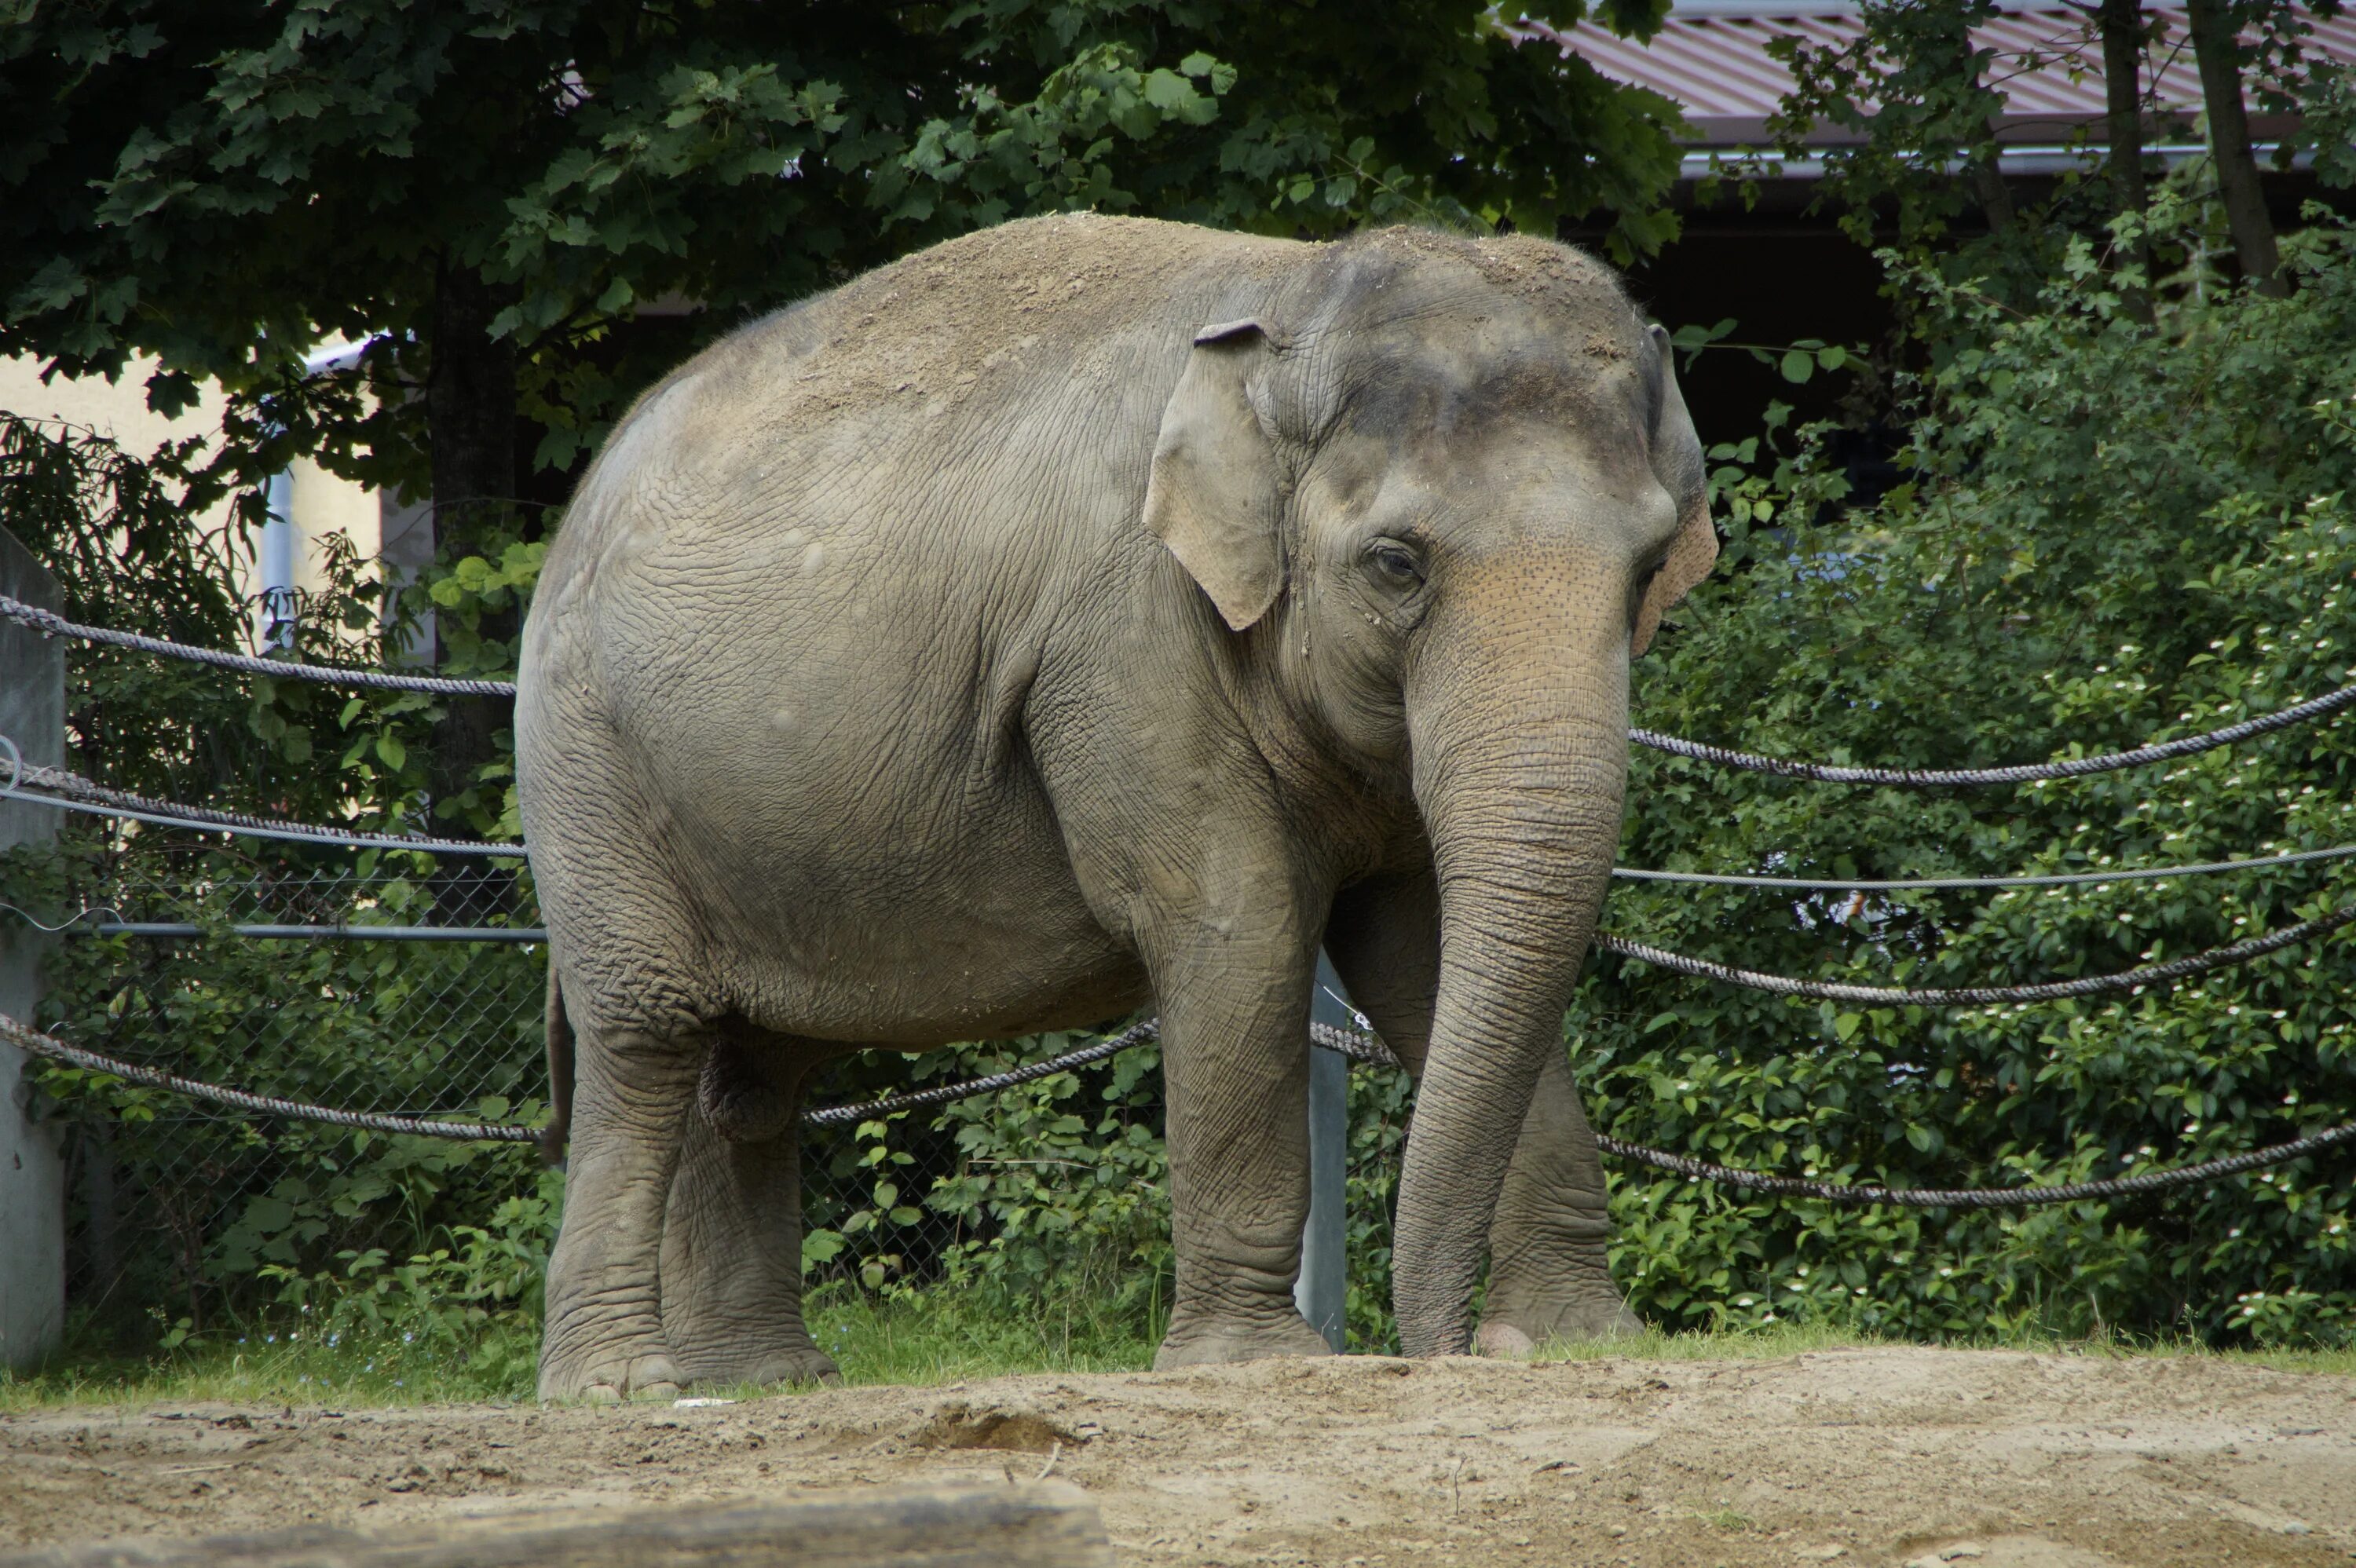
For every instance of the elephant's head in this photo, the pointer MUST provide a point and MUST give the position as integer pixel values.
(1442, 490)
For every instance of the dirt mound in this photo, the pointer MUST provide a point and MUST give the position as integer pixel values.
(1885, 1457)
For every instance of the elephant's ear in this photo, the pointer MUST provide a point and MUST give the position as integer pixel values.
(1217, 489)
(1677, 464)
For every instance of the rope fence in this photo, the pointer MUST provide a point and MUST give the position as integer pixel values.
(2173, 970)
(54, 625)
(1358, 1047)
(71, 792)
(68, 790)
(2025, 773)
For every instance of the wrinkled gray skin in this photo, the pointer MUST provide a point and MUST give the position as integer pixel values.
(1085, 613)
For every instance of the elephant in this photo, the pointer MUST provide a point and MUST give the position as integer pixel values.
(1083, 614)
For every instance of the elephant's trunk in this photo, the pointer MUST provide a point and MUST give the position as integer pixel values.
(1519, 721)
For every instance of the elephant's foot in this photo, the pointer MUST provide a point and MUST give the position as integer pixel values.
(1222, 1342)
(797, 1368)
(645, 1373)
(789, 1362)
(1517, 1323)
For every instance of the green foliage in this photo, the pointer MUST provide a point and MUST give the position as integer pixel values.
(2107, 532)
(224, 185)
(206, 1203)
(2110, 534)
(471, 1304)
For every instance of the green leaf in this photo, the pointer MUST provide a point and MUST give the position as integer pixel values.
(1797, 364)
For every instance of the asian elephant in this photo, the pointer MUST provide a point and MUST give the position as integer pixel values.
(1081, 614)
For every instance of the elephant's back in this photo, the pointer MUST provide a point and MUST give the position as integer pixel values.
(978, 315)
(964, 434)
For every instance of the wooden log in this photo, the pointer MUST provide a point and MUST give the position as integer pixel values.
(1048, 1524)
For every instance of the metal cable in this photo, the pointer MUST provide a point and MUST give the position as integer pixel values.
(99, 800)
(2068, 768)
(49, 621)
(2024, 879)
(41, 1044)
(1973, 995)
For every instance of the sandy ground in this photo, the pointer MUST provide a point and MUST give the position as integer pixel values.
(1882, 1456)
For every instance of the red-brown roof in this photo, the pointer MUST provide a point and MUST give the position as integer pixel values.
(1712, 58)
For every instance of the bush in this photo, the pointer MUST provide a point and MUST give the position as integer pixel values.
(2110, 533)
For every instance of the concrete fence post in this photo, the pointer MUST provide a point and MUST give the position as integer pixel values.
(32, 1164)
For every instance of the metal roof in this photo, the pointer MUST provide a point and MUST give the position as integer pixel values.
(1710, 57)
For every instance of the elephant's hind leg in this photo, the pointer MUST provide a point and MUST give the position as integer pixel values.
(603, 1335)
(731, 1264)
(1548, 1274)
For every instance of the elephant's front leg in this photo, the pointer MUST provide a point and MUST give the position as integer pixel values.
(1549, 1277)
(1549, 1274)
(732, 1265)
(1235, 1069)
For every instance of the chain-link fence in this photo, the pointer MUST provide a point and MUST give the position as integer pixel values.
(172, 1202)
(177, 1209)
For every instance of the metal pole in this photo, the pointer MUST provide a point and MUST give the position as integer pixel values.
(277, 563)
(1321, 1290)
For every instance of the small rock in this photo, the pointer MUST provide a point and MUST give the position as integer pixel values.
(1961, 1549)
(1821, 1553)
(698, 1403)
(2298, 1527)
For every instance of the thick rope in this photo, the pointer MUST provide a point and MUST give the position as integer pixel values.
(942, 1095)
(1920, 778)
(2065, 768)
(97, 798)
(1979, 1196)
(49, 622)
(71, 792)
(41, 1044)
(2023, 880)
(1358, 1048)
(1975, 996)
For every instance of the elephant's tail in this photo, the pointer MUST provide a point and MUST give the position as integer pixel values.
(553, 1137)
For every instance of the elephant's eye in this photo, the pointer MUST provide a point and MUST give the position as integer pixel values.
(1396, 563)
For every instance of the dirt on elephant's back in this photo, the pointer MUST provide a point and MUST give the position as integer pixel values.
(1983, 1458)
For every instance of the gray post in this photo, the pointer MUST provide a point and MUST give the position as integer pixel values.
(1321, 1290)
(32, 1167)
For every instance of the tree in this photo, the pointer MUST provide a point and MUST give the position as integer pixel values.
(2216, 27)
(488, 190)
(2122, 22)
(1912, 89)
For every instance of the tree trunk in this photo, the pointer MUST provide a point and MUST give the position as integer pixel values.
(1988, 190)
(470, 404)
(1982, 174)
(2216, 43)
(2122, 23)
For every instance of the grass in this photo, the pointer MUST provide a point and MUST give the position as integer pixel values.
(940, 1338)
(1799, 1339)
